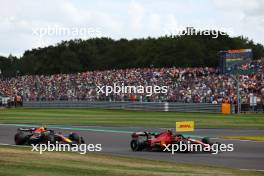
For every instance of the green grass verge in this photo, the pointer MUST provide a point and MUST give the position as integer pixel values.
(23, 162)
(251, 138)
(128, 118)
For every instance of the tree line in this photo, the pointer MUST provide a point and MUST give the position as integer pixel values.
(105, 53)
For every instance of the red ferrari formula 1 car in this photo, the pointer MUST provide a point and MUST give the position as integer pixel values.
(153, 141)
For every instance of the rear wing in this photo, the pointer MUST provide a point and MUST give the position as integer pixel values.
(26, 129)
(137, 134)
(31, 130)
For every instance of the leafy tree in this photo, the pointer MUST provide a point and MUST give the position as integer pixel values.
(105, 53)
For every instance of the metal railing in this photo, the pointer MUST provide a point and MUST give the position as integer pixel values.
(143, 106)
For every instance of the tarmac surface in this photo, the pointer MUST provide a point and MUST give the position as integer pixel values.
(247, 155)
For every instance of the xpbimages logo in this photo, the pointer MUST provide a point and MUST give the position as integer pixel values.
(117, 89)
(58, 147)
(189, 147)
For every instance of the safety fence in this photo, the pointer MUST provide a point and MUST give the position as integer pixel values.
(143, 106)
(259, 107)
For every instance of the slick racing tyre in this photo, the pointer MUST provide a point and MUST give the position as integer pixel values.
(186, 149)
(20, 138)
(76, 138)
(136, 145)
(50, 138)
(206, 140)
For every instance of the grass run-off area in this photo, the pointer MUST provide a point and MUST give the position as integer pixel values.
(101, 117)
(21, 161)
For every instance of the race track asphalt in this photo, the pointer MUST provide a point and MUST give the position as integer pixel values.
(247, 155)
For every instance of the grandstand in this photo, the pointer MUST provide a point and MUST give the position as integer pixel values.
(188, 85)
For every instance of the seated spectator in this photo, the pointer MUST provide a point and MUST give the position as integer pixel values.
(190, 85)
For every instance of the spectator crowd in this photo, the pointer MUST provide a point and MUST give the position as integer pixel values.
(190, 85)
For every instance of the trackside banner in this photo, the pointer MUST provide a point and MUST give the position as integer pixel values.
(185, 126)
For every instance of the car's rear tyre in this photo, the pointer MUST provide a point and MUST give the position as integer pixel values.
(136, 145)
(20, 138)
(185, 143)
(50, 138)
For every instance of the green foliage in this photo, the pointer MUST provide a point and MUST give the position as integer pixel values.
(9, 66)
(104, 53)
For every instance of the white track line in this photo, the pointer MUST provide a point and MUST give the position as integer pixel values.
(256, 170)
(240, 140)
(13, 145)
